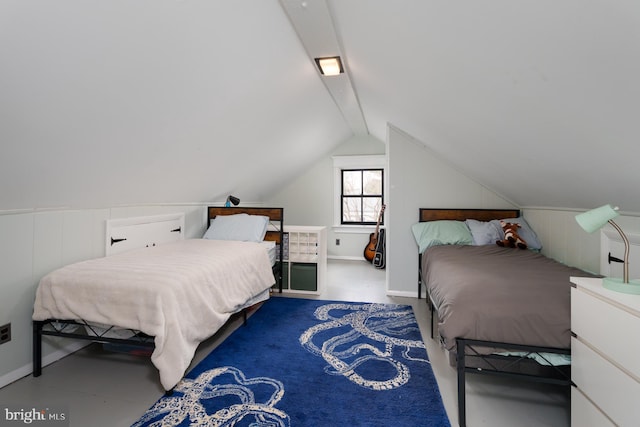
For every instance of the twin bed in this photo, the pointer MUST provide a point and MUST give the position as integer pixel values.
(168, 297)
(501, 311)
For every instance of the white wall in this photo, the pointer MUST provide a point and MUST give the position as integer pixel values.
(107, 103)
(564, 241)
(418, 178)
(37, 242)
(309, 199)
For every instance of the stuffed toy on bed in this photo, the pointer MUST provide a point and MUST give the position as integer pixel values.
(511, 237)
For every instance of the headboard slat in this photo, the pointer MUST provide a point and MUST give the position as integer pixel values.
(428, 214)
(275, 216)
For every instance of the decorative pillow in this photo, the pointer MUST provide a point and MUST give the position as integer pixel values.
(432, 233)
(526, 232)
(242, 227)
(511, 237)
(485, 232)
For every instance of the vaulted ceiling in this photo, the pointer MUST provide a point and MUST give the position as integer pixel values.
(117, 102)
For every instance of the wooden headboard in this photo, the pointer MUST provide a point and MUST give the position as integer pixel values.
(275, 231)
(428, 214)
(276, 218)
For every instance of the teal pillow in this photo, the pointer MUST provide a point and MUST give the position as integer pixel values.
(433, 233)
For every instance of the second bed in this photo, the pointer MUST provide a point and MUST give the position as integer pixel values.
(502, 311)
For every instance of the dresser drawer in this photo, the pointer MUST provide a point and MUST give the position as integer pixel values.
(610, 329)
(585, 414)
(614, 392)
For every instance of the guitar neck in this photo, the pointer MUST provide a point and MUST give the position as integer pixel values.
(379, 220)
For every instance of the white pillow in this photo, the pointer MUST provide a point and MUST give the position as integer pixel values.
(242, 227)
(485, 233)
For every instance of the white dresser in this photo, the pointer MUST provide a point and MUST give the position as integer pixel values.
(605, 356)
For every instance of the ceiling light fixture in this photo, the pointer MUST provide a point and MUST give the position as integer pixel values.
(330, 66)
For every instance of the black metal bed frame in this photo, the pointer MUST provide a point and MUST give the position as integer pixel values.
(490, 366)
(469, 357)
(62, 327)
(507, 366)
(56, 328)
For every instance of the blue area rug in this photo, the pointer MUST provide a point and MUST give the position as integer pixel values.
(309, 363)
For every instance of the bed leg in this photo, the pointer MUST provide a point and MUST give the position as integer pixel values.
(419, 277)
(37, 348)
(460, 366)
(431, 310)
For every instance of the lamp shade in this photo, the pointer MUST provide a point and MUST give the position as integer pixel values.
(232, 199)
(595, 219)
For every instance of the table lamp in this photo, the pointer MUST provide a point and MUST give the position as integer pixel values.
(595, 219)
(231, 199)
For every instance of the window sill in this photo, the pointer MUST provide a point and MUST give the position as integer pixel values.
(354, 229)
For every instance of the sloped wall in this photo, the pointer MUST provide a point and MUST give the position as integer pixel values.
(121, 103)
(418, 178)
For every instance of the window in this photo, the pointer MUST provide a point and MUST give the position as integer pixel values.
(358, 193)
(361, 195)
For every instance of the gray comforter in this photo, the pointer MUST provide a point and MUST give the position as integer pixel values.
(499, 294)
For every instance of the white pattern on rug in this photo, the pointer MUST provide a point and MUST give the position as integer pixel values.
(381, 323)
(175, 409)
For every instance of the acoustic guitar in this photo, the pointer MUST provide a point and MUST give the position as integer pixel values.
(370, 249)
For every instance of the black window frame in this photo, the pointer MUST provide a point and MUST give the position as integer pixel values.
(361, 196)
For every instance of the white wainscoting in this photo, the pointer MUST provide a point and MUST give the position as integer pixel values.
(611, 242)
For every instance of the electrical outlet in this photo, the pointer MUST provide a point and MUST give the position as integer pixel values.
(5, 333)
(337, 242)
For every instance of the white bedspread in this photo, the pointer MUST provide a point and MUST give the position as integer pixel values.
(181, 293)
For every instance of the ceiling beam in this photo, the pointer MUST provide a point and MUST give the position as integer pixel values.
(314, 25)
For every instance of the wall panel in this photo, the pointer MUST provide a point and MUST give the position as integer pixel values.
(36, 243)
